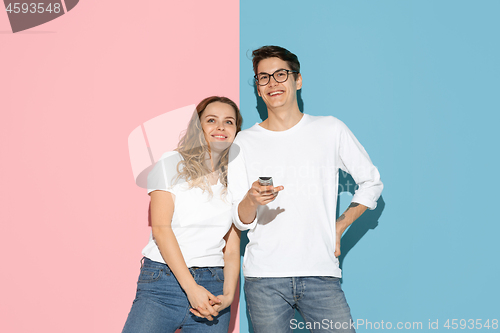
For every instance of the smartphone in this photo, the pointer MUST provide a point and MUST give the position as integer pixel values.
(266, 181)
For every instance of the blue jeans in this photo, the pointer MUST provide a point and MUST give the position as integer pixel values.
(320, 300)
(161, 305)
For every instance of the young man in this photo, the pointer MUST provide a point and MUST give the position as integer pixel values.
(291, 259)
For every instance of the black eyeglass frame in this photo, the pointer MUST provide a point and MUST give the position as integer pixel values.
(288, 71)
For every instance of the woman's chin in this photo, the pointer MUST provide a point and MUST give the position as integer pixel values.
(219, 146)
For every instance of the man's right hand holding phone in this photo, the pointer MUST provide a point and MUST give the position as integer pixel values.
(257, 195)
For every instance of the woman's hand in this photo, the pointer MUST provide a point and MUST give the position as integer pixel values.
(226, 301)
(202, 302)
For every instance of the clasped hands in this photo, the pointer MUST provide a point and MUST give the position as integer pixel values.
(205, 305)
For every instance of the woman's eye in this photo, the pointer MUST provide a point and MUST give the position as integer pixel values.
(229, 122)
(210, 120)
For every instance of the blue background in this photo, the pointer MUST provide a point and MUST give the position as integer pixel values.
(418, 83)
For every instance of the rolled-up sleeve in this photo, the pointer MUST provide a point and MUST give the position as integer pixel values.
(355, 161)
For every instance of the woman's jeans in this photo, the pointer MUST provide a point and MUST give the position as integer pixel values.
(161, 305)
(320, 300)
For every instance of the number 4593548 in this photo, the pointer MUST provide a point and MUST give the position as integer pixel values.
(471, 324)
(33, 8)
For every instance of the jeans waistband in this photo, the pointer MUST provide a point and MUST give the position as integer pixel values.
(148, 262)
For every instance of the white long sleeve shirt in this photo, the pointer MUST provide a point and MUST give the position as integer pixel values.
(295, 234)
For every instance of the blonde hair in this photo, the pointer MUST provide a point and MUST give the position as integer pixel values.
(195, 150)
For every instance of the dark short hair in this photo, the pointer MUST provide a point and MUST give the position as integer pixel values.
(272, 51)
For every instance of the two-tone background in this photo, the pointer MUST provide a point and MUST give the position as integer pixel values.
(417, 81)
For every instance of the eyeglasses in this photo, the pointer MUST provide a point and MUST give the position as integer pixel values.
(280, 76)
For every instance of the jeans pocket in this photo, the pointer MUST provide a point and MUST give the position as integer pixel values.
(219, 274)
(150, 274)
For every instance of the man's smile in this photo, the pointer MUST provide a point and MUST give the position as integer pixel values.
(275, 93)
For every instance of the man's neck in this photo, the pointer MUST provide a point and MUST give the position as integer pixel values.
(282, 120)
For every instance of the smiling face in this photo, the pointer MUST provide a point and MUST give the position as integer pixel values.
(278, 95)
(218, 122)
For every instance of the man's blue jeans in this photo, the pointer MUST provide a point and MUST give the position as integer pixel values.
(161, 305)
(320, 300)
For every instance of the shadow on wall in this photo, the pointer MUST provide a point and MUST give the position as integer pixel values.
(367, 221)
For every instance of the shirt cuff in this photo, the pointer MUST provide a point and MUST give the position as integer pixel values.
(237, 222)
(365, 202)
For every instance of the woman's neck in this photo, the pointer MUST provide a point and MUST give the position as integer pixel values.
(212, 162)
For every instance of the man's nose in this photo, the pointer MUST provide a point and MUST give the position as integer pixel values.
(272, 81)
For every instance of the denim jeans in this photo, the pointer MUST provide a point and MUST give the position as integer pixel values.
(161, 305)
(320, 300)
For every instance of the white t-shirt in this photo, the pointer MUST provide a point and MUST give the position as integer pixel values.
(295, 234)
(200, 221)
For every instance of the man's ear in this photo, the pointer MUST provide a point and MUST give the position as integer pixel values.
(299, 81)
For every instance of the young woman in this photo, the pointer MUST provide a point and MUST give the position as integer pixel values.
(190, 267)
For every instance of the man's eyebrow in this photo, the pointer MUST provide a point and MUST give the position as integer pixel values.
(280, 69)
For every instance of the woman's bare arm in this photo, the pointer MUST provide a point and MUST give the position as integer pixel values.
(162, 210)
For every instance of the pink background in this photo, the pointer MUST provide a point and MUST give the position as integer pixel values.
(73, 221)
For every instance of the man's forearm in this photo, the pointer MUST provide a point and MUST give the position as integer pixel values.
(351, 214)
(247, 210)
